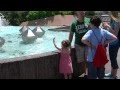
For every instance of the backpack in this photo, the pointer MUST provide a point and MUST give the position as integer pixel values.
(100, 58)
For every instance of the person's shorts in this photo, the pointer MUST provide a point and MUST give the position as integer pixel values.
(81, 53)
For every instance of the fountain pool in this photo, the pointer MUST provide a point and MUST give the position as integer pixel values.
(14, 47)
(36, 60)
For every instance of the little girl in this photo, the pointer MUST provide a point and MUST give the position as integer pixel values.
(65, 65)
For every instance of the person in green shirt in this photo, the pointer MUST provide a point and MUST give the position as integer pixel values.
(79, 27)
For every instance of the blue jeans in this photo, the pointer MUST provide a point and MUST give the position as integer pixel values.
(113, 51)
(94, 73)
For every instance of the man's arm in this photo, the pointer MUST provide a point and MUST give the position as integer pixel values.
(71, 36)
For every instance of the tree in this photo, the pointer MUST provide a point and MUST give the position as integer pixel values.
(90, 13)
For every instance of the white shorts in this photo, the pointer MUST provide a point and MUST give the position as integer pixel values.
(81, 53)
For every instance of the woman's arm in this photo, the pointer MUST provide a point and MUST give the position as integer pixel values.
(55, 44)
(116, 28)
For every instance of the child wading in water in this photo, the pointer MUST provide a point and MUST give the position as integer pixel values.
(65, 65)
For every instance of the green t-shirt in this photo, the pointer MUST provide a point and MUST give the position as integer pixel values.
(80, 28)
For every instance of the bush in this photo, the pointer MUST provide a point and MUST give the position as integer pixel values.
(90, 13)
(17, 17)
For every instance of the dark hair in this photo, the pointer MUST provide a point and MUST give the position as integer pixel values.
(96, 21)
(66, 43)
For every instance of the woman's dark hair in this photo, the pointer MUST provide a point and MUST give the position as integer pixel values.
(66, 43)
(96, 21)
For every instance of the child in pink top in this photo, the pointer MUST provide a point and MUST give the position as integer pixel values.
(65, 65)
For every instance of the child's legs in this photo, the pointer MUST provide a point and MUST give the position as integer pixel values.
(101, 72)
(65, 76)
(92, 71)
(70, 76)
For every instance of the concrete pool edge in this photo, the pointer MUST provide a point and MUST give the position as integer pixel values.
(22, 58)
(38, 66)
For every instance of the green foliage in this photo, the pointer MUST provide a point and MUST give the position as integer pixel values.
(32, 15)
(90, 13)
(64, 12)
(17, 17)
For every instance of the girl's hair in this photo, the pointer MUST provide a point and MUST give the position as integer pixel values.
(96, 21)
(66, 43)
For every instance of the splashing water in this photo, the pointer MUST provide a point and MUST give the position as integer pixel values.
(3, 21)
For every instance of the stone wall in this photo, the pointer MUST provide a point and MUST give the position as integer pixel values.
(43, 66)
(57, 20)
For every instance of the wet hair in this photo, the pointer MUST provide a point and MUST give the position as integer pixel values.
(96, 21)
(65, 43)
